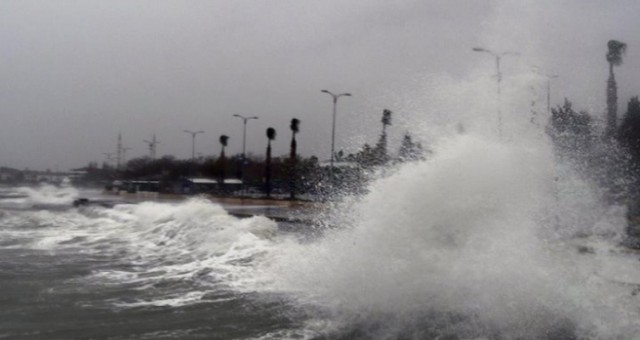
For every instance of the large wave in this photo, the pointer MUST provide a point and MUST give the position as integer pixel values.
(192, 247)
(43, 195)
(477, 241)
(468, 244)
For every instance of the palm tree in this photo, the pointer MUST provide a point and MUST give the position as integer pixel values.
(224, 139)
(295, 128)
(381, 147)
(271, 135)
(386, 120)
(614, 57)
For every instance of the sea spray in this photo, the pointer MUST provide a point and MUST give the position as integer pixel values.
(465, 243)
(195, 240)
(42, 195)
(474, 242)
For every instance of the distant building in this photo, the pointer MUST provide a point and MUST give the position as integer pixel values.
(51, 177)
(9, 175)
(207, 185)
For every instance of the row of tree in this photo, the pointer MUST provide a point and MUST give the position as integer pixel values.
(292, 174)
(610, 159)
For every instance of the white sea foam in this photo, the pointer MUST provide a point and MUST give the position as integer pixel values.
(478, 240)
(469, 233)
(27, 197)
(195, 241)
(486, 239)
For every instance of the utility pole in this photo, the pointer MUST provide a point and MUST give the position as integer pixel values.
(124, 155)
(119, 152)
(152, 146)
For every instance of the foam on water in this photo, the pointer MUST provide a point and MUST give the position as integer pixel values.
(478, 241)
(485, 239)
(489, 238)
(467, 243)
(195, 242)
(28, 197)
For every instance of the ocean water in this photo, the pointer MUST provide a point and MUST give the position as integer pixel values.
(478, 242)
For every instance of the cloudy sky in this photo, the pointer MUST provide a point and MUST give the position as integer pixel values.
(75, 73)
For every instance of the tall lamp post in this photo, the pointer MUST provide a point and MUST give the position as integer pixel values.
(244, 142)
(498, 56)
(193, 143)
(333, 129)
(548, 77)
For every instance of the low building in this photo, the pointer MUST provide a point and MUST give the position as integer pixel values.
(9, 175)
(51, 177)
(195, 185)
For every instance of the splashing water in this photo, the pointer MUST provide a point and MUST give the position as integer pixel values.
(479, 241)
(466, 245)
(484, 240)
(28, 197)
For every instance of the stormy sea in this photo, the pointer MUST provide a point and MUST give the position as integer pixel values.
(468, 244)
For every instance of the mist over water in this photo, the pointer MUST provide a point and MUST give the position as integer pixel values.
(473, 243)
(479, 241)
(29, 197)
(488, 238)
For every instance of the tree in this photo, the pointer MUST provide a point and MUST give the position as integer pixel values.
(386, 119)
(629, 131)
(381, 155)
(571, 132)
(629, 140)
(629, 136)
(614, 57)
(409, 150)
(602, 163)
(295, 128)
(271, 135)
(224, 140)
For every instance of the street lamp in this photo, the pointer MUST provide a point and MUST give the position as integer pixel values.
(244, 131)
(333, 129)
(498, 56)
(193, 143)
(244, 142)
(536, 70)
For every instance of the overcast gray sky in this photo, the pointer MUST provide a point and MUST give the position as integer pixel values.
(75, 73)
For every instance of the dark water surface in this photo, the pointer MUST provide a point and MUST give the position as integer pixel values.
(41, 299)
(104, 273)
(412, 270)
